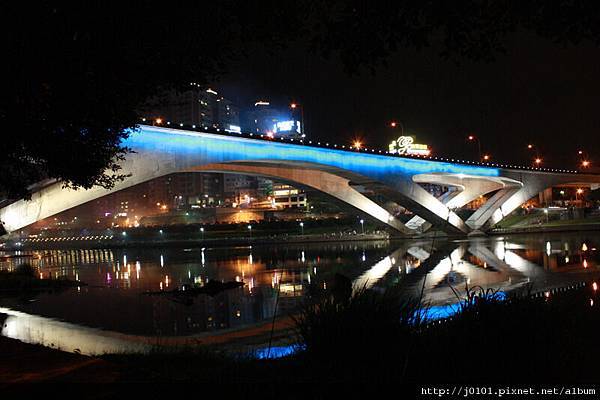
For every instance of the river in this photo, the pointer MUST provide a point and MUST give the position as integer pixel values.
(276, 279)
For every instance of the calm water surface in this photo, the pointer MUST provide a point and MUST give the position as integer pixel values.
(114, 299)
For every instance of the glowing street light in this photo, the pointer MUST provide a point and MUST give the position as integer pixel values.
(486, 157)
(585, 163)
(473, 138)
(357, 144)
(158, 121)
(302, 227)
(538, 161)
(202, 231)
(362, 225)
(530, 146)
(250, 230)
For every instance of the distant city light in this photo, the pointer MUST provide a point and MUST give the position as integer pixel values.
(538, 161)
(530, 146)
(158, 121)
(585, 163)
(293, 105)
(357, 144)
(486, 157)
(393, 124)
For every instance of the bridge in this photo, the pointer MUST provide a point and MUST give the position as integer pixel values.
(346, 173)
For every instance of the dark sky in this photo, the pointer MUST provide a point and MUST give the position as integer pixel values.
(537, 92)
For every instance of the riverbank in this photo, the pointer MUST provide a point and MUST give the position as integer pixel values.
(217, 242)
(550, 227)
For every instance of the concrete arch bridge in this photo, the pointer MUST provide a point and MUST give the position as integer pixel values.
(347, 174)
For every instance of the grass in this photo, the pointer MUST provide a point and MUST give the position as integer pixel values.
(373, 336)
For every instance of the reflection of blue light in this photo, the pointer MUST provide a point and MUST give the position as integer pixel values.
(434, 313)
(210, 148)
(276, 352)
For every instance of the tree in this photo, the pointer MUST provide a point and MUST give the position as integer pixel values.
(78, 72)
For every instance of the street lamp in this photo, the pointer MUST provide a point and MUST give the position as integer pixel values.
(294, 106)
(538, 162)
(362, 225)
(473, 138)
(394, 124)
(486, 157)
(250, 230)
(202, 231)
(302, 227)
(357, 144)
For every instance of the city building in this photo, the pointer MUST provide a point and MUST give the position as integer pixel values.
(273, 121)
(196, 106)
(286, 196)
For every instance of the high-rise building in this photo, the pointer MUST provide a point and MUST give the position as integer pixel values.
(273, 121)
(196, 106)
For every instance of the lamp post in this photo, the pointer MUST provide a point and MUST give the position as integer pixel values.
(473, 138)
(250, 230)
(394, 124)
(362, 225)
(302, 227)
(202, 231)
(294, 106)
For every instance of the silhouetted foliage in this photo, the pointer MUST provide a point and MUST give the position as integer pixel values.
(77, 72)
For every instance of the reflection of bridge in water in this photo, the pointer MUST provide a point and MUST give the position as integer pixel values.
(360, 178)
(117, 278)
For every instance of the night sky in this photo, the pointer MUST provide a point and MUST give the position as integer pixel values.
(538, 92)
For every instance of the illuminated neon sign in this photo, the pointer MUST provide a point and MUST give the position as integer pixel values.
(407, 145)
(287, 126)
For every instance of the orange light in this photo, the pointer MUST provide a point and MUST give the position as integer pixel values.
(530, 146)
(585, 163)
(393, 124)
(357, 144)
(538, 161)
(293, 105)
(158, 121)
(486, 157)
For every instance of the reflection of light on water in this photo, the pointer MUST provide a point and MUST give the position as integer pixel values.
(162, 261)
(548, 248)
(68, 337)
(372, 275)
(585, 263)
(275, 352)
(303, 259)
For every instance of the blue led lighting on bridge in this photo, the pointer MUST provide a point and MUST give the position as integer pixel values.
(213, 148)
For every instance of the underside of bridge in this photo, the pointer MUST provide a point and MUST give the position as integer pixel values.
(341, 174)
